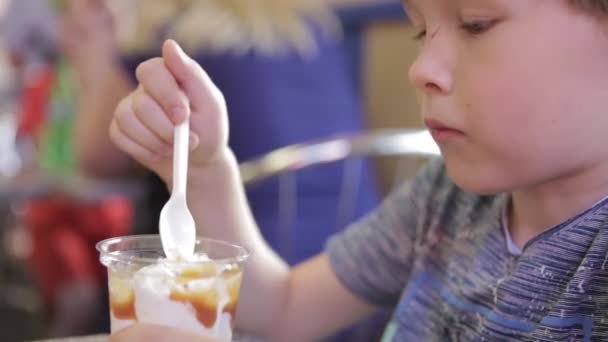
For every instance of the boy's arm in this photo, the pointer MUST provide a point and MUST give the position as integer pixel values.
(301, 304)
(316, 304)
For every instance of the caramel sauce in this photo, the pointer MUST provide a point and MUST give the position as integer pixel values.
(124, 308)
(197, 272)
(206, 301)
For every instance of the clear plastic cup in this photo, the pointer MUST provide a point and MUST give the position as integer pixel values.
(199, 296)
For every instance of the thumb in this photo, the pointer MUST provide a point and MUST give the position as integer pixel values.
(191, 78)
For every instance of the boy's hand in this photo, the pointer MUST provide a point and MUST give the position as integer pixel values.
(148, 332)
(171, 87)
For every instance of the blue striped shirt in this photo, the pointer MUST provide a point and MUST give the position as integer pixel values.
(439, 257)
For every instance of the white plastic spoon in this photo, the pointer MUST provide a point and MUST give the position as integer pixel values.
(176, 226)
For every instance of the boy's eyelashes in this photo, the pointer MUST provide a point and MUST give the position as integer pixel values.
(473, 28)
(478, 26)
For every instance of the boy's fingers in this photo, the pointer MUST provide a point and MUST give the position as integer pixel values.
(125, 141)
(161, 85)
(130, 125)
(192, 79)
(151, 114)
(129, 146)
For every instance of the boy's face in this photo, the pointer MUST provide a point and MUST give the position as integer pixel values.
(514, 91)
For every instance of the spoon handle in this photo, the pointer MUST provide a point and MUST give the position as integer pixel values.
(180, 158)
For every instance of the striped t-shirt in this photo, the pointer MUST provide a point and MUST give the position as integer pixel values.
(439, 257)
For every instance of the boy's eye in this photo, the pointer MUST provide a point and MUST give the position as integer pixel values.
(478, 27)
(474, 28)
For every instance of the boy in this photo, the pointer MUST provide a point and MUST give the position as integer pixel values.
(506, 239)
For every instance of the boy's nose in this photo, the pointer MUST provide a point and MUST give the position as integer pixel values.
(430, 73)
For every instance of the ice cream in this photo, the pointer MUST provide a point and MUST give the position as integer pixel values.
(200, 297)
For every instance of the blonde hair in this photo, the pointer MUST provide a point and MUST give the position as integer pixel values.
(268, 27)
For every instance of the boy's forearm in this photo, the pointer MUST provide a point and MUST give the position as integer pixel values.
(217, 201)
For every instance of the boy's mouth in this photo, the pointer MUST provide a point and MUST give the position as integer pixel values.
(442, 132)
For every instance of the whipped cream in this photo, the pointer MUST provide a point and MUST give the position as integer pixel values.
(154, 287)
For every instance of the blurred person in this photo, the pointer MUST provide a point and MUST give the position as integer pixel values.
(30, 37)
(62, 222)
(29, 31)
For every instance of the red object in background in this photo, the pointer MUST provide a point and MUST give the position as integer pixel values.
(64, 233)
(35, 99)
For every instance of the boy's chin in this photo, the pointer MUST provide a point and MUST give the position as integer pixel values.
(477, 182)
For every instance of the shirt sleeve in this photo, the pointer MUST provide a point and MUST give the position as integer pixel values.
(374, 257)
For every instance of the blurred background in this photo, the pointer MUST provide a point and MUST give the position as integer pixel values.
(293, 72)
